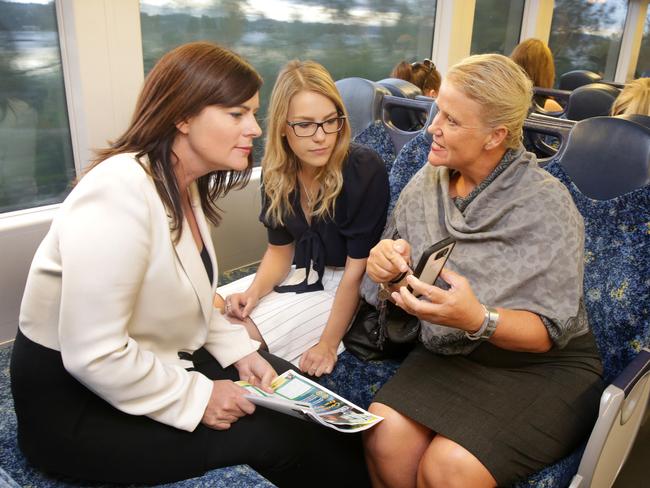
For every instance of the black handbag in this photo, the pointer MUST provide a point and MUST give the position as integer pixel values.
(377, 334)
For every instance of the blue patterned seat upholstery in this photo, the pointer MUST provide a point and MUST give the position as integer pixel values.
(617, 272)
(377, 138)
(410, 159)
(616, 214)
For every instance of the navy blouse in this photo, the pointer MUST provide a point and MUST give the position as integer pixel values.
(359, 219)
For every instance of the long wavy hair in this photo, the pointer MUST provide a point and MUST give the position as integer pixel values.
(181, 84)
(280, 165)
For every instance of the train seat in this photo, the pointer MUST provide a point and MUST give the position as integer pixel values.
(591, 100)
(402, 118)
(606, 167)
(644, 120)
(576, 78)
(363, 102)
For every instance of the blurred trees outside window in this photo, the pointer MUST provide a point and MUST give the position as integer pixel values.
(497, 26)
(36, 160)
(586, 34)
(349, 37)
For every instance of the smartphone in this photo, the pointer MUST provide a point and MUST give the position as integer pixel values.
(433, 260)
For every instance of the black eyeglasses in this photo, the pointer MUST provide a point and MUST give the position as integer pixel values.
(308, 129)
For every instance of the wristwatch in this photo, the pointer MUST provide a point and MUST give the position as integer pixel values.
(488, 326)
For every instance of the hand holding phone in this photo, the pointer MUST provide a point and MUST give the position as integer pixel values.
(433, 260)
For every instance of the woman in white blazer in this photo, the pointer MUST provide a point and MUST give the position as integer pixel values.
(123, 369)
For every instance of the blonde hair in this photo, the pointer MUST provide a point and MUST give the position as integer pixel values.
(536, 59)
(633, 99)
(280, 165)
(501, 87)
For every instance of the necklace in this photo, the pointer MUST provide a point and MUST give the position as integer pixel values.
(308, 196)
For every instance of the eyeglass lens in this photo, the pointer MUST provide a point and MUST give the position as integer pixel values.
(308, 129)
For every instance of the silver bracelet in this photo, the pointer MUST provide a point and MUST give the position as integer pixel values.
(488, 326)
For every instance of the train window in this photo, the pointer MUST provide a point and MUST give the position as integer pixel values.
(586, 34)
(36, 160)
(497, 25)
(351, 38)
(643, 65)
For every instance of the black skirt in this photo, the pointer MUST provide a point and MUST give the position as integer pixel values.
(67, 430)
(516, 412)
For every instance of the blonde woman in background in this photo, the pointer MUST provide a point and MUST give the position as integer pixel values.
(324, 207)
(537, 60)
(633, 99)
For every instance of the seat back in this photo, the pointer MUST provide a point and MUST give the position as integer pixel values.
(606, 167)
(546, 136)
(410, 159)
(591, 101)
(560, 96)
(416, 109)
(404, 119)
(363, 101)
(576, 78)
(643, 120)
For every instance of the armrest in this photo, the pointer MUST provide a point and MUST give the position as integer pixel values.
(622, 409)
(639, 366)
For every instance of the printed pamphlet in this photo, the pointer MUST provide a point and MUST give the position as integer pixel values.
(300, 397)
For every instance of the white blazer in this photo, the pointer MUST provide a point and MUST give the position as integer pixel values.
(110, 290)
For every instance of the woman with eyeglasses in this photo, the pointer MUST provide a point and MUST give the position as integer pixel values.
(324, 204)
(422, 74)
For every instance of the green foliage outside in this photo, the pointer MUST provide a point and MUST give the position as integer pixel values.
(345, 45)
(36, 162)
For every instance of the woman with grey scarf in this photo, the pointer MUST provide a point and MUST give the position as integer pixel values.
(506, 378)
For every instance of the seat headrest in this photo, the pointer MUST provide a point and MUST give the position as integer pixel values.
(591, 100)
(362, 99)
(607, 156)
(579, 77)
(400, 88)
(644, 120)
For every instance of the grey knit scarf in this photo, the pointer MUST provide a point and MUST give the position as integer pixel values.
(520, 244)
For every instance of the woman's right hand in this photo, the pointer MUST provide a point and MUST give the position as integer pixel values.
(388, 259)
(240, 305)
(227, 404)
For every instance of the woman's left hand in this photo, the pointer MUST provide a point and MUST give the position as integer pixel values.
(319, 359)
(256, 370)
(457, 307)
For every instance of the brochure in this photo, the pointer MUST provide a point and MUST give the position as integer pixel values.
(300, 397)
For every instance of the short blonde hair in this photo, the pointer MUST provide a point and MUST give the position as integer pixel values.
(280, 165)
(500, 87)
(633, 99)
(537, 60)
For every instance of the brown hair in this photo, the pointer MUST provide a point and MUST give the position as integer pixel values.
(423, 75)
(181, 84)
(537, 60)
(633, 99)
(280, 164)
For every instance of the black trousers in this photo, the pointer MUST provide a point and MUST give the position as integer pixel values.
(64, 428)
